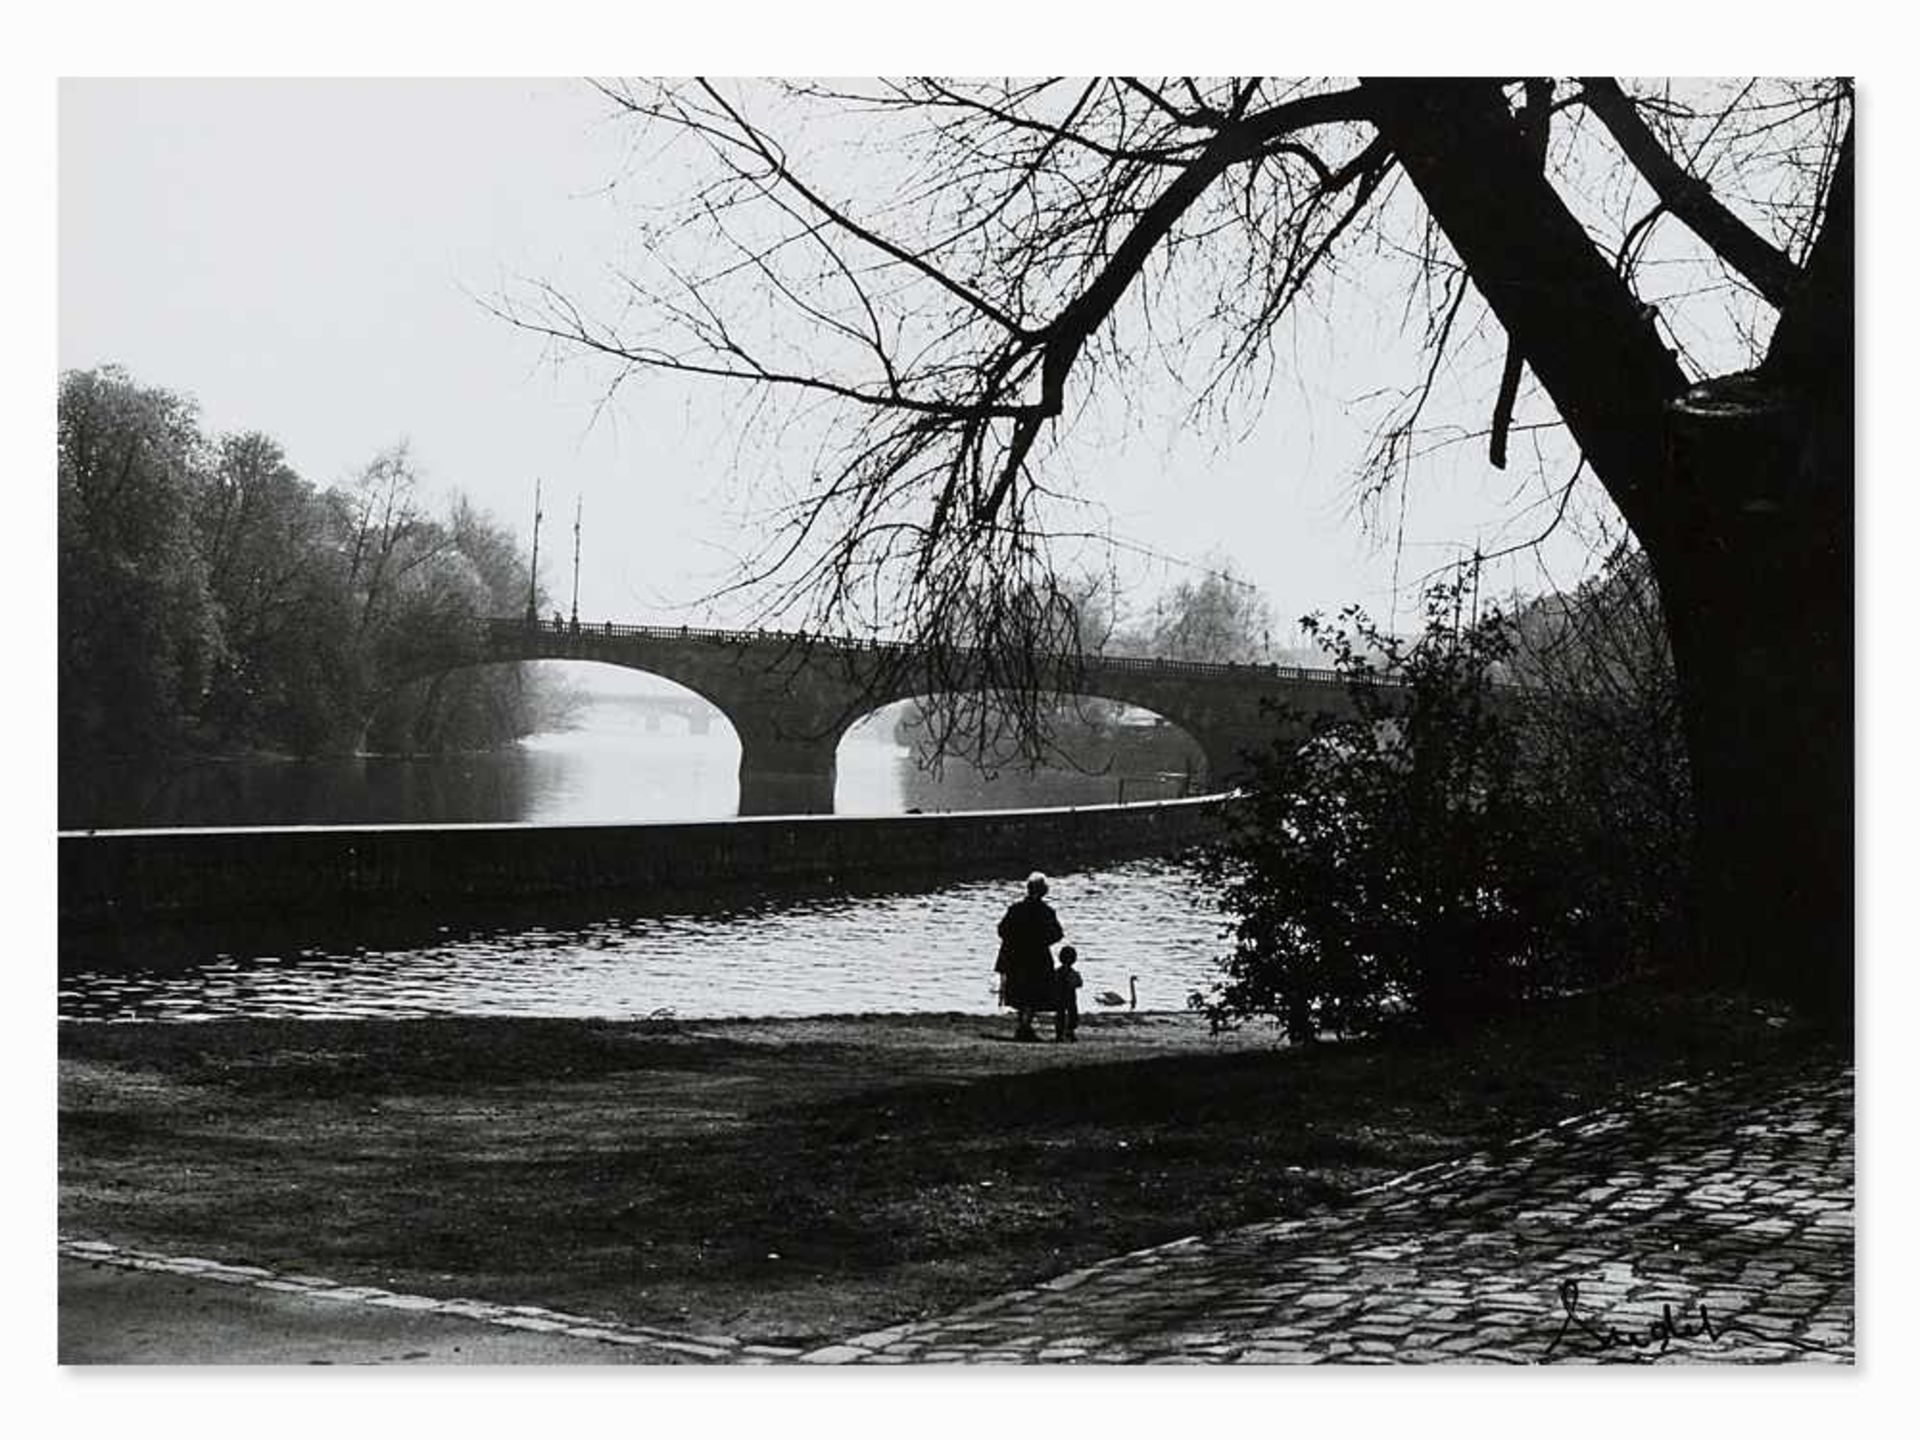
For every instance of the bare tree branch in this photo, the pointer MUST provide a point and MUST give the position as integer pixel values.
(1688, 197)
(1535, 116)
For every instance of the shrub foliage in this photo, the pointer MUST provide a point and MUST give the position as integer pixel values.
(1469, 836)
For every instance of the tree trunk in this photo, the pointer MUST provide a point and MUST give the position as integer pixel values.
(1760, 615)
(1760, 564)
(1740, 490)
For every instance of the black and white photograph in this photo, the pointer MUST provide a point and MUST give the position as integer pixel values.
(1065, 722)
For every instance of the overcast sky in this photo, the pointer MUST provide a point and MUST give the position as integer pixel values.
(311, 259)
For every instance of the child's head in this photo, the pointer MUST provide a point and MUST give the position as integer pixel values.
(1068, 955)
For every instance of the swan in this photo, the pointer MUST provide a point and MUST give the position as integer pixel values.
(1113, 997)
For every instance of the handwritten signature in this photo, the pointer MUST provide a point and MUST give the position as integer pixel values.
(1661, 1332)
(1655, 1335)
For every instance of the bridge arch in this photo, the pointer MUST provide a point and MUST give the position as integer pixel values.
(685, 730)
(1103, 752)
(787, 710)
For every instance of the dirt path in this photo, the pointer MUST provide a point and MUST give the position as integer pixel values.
(110, 1315)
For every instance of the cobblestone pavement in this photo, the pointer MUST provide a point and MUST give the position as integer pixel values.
(1703, 1222)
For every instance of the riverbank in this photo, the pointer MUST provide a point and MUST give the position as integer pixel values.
(792, 1181)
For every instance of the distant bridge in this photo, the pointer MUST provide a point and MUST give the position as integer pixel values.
(790, 697)
(697, 713)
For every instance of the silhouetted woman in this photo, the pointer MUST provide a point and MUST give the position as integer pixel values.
(1027, 933)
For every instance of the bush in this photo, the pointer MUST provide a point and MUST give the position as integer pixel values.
(1604, 759)
(1431, 857)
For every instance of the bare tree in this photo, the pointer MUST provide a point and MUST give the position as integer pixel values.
(1018, 247)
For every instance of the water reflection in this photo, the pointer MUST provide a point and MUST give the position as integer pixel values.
(795, 955)
(350, 790)
(642, 749)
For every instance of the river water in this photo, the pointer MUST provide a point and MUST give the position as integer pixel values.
(797, 954)
(930, 951)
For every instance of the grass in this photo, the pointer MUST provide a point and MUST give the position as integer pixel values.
(792, 1180)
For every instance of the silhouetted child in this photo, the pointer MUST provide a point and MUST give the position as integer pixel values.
(1066, 995)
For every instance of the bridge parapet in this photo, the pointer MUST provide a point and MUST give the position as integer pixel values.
(800, 641)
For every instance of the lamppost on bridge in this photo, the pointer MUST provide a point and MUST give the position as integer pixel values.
(533, 568)
(574, 624)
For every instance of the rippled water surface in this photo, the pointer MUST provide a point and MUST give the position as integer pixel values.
(917, 952)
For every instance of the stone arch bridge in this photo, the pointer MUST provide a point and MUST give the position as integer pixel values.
(790, 698)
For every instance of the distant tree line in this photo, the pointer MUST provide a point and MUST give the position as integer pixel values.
(212, 601)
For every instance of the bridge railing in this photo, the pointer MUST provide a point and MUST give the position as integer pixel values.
(521, 629)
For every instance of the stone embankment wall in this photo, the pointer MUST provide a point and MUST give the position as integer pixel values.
(122, 876)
